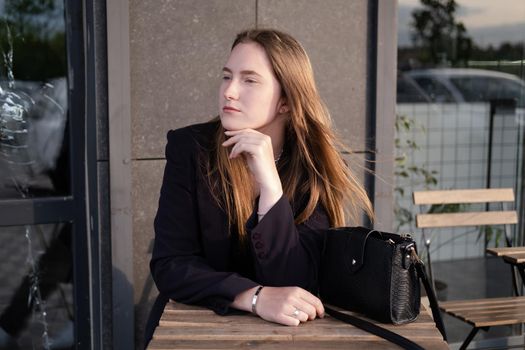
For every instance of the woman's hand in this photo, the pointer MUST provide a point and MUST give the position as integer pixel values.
(278, 304)
(258, 151)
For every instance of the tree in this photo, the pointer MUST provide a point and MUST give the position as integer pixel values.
(33, 33)
(440, 38)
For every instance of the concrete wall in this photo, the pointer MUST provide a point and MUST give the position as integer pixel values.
(177, 49)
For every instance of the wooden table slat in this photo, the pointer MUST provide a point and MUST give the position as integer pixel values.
(299, 345)
(191, 327)
(284, 333)
(505, 250)
(515, 258)
(424, 321)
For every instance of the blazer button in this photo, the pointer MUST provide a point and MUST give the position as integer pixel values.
(259, 245)
(256, 235)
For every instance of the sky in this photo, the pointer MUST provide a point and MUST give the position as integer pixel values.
(487, 21)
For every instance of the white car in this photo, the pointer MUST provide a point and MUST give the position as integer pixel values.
(457, 85)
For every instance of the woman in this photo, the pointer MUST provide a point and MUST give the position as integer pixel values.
(245, 197)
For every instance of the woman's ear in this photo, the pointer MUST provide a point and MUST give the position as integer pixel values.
(283, 108)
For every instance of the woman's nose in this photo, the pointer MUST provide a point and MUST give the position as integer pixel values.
(231, 91)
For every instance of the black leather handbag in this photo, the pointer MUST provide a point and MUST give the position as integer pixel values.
(375, 274)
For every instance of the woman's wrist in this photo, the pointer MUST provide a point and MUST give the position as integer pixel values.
(255, 298)
(267, 199)
(243, 300)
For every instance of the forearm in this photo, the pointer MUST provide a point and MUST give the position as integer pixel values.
(267, 198)
(286, 253)
(173, 279)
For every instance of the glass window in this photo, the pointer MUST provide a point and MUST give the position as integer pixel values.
(36, 292)
(478, 89)
(434, 89)
(34, 140)
(468, 58)
(409, 91)
(36, 266)
(473, 89)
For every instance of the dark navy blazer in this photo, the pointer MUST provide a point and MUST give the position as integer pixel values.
(192, 255)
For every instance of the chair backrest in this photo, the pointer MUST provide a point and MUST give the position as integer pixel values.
(477, 218)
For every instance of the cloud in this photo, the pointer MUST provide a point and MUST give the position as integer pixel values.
(496, 35)
(480, 25)
(404, 17)
(470, 10)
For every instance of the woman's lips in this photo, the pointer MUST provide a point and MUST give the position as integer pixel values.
(230, 109)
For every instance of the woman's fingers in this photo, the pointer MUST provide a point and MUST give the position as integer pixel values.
(256, 145)
(301, 315)
(287, 320)
(258, 149)
(247, 135)
(238, 138)
(292, 316)
(314, 302)
(250, 148)
(307, 309)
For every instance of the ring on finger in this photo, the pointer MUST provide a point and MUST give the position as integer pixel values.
(296, 312)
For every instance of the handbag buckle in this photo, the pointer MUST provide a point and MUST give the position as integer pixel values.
(409, 255)
(415, 257)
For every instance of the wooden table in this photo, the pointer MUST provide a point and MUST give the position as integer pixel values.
(192, 327)
(514, 256)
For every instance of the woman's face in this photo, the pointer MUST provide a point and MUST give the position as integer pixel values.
(250, 95)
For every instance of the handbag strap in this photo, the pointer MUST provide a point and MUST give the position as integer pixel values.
(436, 315)
(370, 327)
(384, 333)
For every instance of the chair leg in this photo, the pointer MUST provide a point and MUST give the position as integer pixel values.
(514, 282)
(521, 268)
(471, 336)
(429, 266)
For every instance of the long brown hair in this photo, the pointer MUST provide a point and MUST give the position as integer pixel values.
(312, 167)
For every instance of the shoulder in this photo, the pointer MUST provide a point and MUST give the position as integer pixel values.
(193, 137)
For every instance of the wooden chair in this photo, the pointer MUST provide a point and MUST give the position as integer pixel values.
(480, 313)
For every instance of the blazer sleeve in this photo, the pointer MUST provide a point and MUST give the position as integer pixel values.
(178, 266)
(286, 254)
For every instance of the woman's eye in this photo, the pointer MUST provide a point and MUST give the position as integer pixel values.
(225, 77)
(250, 81)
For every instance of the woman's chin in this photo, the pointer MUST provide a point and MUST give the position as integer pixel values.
(231, 125)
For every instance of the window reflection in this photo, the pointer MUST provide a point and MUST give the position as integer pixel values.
(36, 294)
(434, 89)
(486, 88)
(460, 124)
(33, 100)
